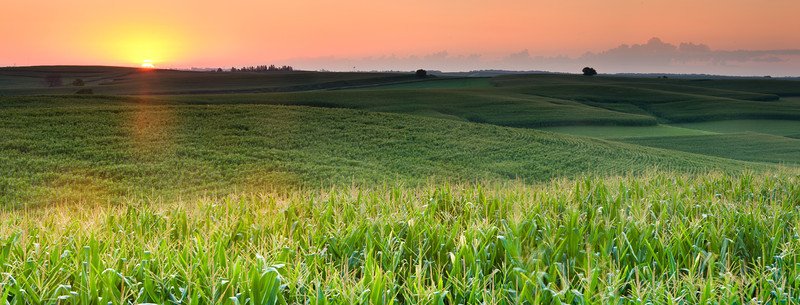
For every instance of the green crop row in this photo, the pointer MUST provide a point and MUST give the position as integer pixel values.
(658, 239)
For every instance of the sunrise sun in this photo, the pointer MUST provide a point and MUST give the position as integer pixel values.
(148, 64)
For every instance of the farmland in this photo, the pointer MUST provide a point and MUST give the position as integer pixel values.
(610, 241)
(177, 187)
(107, 150)
(739, 146)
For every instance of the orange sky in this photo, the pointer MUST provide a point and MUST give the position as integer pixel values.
(233, 32)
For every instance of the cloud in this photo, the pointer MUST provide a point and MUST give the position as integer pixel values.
(653, 56)
(654, 52)
(656, 56)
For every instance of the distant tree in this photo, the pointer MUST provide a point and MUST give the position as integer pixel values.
(588, 71)
(219, 69)
(264, 68)
(233, 69)
(78, 82)
(421, 73)
(53, 80)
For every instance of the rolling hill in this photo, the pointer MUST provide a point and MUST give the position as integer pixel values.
(174, 187)
(55, 149)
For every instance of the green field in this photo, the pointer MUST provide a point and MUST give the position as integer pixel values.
(445, 83)
(177, 187)
(606, 241)
(63, 149)
(739, 146)
(773, 127)
(131, 81)
(617, 132)
(475, 105)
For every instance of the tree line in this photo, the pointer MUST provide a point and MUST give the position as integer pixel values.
(262, 68)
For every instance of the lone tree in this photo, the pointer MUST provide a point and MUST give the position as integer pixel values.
(78, 82)
(421, 73)
(53, 80)
(588, 71)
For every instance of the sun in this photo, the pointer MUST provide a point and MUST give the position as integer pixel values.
(148, 64)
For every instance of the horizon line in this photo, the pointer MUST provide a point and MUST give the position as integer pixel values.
(507, 71)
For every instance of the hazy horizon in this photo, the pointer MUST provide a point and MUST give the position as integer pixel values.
(740, 37)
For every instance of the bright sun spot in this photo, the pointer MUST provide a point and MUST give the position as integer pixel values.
(148, 64)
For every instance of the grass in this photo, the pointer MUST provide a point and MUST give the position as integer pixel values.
(518, 100)
(608, 93)
(373, 188)
(133, 81)
(545, 101)
(484, 106)
(773, 127)
(617, 132)
(657, 239)
(745, 146)
(668, 100)
(783, 88)
(68, 149)
(700, 111)
(444, 83)
(743, 88)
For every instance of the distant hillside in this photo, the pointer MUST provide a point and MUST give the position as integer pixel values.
(135, 81)
(489, 73)
(512, 99)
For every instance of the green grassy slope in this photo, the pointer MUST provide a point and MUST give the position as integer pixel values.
(515, 100)
(710, 110)
(774, 127)
(477, 105)
(534, 106)
(638, 86)
(608, 93)
(783, 88)
(530, 101)
(68, 149)
(745, 146)
(443, 83)
(616, 132)
(394, 194)
(668, 100)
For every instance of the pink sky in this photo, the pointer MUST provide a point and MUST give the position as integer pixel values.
(224, 33)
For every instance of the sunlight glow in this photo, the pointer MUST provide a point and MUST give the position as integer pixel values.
(148, 64)
(146, 45)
